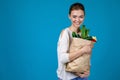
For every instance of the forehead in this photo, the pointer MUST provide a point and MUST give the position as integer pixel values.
(77, 12)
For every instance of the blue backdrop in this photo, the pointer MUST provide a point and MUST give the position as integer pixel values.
(29, 31)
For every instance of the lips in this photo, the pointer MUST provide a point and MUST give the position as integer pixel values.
(77, 23)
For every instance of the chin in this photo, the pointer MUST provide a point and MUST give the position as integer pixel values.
(77, 26)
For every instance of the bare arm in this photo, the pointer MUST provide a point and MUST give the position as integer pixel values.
(74, 55)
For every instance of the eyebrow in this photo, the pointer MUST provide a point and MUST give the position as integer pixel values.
(79, 16)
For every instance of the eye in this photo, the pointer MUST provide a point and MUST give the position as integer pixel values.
(81, 16)
(74, 16)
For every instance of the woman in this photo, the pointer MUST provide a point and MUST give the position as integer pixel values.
(76, 15)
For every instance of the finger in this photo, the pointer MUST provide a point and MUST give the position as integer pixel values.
(83, 76)
(87, 72)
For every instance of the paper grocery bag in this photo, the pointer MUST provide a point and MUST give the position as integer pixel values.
(82, 63)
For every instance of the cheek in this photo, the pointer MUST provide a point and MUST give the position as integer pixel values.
(72, 19)
(81, 19)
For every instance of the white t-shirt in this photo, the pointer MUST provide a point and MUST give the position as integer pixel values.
(63, 55)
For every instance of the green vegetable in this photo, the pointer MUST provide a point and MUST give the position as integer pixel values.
(84, 32)
(89, 38)
(74, 34)
(78, 36)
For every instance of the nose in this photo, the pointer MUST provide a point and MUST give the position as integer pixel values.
(77, 19)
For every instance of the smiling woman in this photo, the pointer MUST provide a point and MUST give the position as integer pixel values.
(76, 15)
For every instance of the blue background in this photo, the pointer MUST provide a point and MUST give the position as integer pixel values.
(29, 31)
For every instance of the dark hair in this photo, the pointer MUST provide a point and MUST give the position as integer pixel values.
(76, 6)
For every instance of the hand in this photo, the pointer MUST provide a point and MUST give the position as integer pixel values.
(86, 49)
(91, 45)
(83, 75)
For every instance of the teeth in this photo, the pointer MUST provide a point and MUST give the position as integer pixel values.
(77, 23)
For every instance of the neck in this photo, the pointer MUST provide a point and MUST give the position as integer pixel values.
(74, 29)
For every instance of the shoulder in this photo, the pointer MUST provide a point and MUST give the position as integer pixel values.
(64, 32)
(64, 35)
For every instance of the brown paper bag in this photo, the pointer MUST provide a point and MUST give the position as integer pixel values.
(82, 63)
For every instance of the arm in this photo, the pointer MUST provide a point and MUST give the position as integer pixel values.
(74, 55)
(63, 47)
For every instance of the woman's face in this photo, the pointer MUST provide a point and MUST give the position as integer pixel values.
(76, 17)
